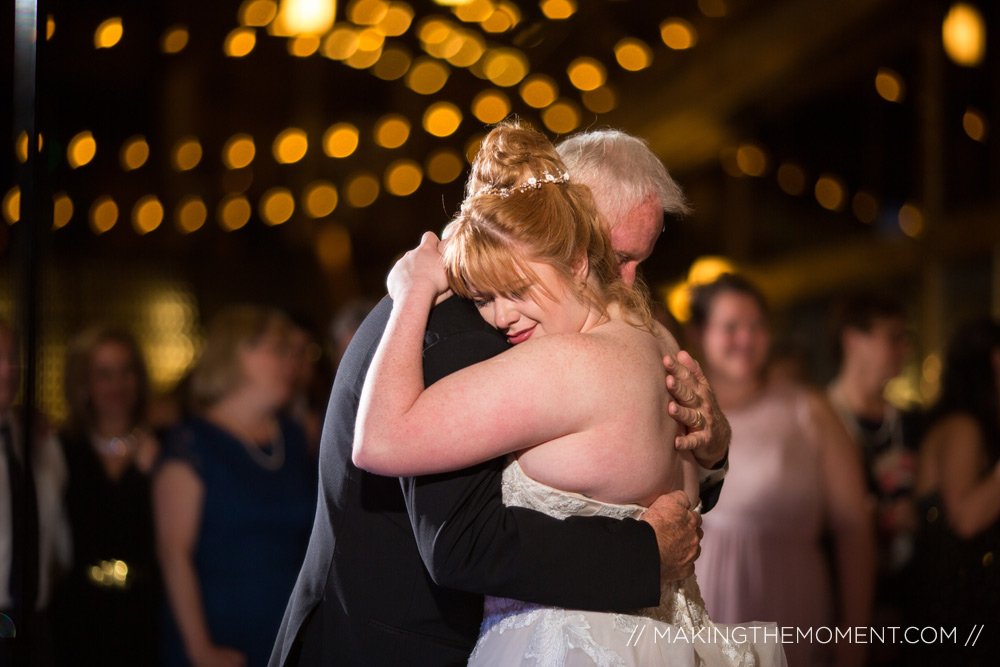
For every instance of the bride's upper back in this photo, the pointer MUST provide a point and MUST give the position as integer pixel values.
(624, 452)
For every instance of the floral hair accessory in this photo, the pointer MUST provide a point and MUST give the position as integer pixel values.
(532, 183)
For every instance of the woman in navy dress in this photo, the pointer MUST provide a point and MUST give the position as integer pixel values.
(234, 497)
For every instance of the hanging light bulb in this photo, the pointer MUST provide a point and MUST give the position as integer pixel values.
(307, 17)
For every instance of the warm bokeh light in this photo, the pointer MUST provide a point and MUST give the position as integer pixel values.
(434, 30)
(134, 153)
(791, 179)
(911, 220)
(239, 42)
(678, 34)
(367, 12)
(446, 48)
(562, 117)
(370, 39)
(340, 140)
(186, 154)
(504, 17)
(333, 248)
(679, 302)
(174, 39)
(442, 119)
(290, 146)
(427, 76)
(319, 199)
(147, 214)
(234, 212)
(444, 165)
(706, 269)
(239, 151)
(81, 149)
(490, 106)
(830, 192)
(50, 27)
(362, 190)
(190, 214)
(586, 73)
(751, 160)
(633, 54)
(312, 17)
(62, 210)
(397, 19)
(964, 35)
(393, 63)
(558, 9)
(276, 206)
(539, 91)
(108, 33)
(303, 46)
(257, 13)
(975, 124)
(727, 158)
(12, 205)
(403, 177)
(889, 85)
(505, 67)
(341, 43)
(713, 9)
(865, 207)
(103, 214)
(392, 131)
(600, 100)
(361, 59)
(473, 46)
(472, 146)
(21, 146)
(472, 11)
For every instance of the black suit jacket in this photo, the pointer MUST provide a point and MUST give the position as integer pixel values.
(396, 569)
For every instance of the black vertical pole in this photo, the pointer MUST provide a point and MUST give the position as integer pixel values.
(28, 35)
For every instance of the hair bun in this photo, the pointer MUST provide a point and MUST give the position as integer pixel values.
(511, 154)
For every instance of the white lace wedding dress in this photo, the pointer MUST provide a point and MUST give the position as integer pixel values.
(678, 633)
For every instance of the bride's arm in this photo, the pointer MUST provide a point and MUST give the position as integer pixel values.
(529, 395)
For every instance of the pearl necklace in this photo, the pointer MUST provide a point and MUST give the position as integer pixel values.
(272, 461)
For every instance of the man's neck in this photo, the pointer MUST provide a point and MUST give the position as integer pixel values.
(862, 395)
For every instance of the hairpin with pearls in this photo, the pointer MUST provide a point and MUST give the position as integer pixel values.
(532, 183)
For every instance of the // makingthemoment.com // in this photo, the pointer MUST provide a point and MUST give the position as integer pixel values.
(740, 634)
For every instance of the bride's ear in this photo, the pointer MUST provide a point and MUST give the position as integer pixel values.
(581, 270)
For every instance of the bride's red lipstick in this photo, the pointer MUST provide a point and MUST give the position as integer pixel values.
(520, 336)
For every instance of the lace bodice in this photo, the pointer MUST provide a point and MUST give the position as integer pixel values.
(681, 604)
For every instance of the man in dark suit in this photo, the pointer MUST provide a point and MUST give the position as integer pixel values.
(396, 568)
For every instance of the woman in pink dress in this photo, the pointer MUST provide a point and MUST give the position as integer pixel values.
(793, 475)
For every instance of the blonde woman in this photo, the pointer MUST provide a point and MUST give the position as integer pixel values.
(234, 497)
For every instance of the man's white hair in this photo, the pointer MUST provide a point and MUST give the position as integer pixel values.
(622, 172)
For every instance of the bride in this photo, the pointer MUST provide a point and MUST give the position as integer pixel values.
(579, 402)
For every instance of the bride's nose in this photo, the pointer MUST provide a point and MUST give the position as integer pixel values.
(505, 313)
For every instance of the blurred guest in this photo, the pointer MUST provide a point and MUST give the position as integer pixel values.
(312, 382)
(871, 345)
(105, 612)
(34, 538)
(793, 472)
(956, 579)
(234, 497)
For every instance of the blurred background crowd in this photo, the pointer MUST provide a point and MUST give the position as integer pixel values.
(839, 280)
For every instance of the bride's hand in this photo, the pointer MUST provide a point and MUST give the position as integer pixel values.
(420, 271)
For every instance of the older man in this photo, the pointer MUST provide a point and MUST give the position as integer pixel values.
(396, 569)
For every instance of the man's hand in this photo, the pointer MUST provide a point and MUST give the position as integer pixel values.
(707, 431)
(678, 534)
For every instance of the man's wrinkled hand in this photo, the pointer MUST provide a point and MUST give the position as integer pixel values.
(706, 430)
(678, 534)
